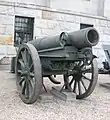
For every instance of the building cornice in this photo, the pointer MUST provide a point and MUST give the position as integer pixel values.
(45, 8)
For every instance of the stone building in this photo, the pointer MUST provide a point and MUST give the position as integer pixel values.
(21, 20)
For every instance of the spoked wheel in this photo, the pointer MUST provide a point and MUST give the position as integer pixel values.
(52, 78)
(28, 72)
(83, 81)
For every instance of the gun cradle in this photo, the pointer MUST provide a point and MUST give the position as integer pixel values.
(67, 54)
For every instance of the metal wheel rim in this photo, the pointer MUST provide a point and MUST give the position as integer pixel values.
(77, 85)
(28, 78)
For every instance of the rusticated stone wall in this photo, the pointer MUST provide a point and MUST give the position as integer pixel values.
(47, 22)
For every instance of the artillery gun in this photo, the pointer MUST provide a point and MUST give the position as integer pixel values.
(67, 54)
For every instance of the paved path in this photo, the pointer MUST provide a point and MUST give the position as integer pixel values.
(95, 107)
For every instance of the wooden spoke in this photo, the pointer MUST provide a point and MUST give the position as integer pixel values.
(19, 71)
(29, 59)
(79, 88)
(71, 81)
(31, 74)
(21, 63)
(83, 85)
(26, 54)
(82, 65)
(27, 89)
(86, 78)
(21, 80)
(30, 86)
(87, 70)
(75, 85)
(23, 88)
(79, 63)
(31, 66)
(23, 53)
(31, 80)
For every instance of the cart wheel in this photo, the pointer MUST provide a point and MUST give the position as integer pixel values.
(28, 72)
(84, 81)
(52, 78)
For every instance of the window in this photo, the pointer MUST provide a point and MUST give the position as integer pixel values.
(23, 30)
(82, 26)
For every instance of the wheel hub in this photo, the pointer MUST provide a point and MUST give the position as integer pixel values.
(78, 75)
(25, 71)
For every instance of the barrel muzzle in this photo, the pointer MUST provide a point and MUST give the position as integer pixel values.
(92, 36)
(87, 37)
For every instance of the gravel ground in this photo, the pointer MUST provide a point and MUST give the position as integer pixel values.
(95, 107)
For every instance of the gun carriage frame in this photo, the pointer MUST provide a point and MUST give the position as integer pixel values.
(68, 54)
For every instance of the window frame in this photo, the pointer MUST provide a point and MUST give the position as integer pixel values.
(23, 29)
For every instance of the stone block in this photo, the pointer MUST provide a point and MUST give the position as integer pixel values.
(39, 13)
(87, 20)
(28, 12)
(99, 29)
(52, 24)
(45, 98)
(108, 24)
(103, 23)
(32, 2)
(77, 19)
(69, 18)
(5, 61)
(105, 85)
(105, 38)
(2, 29)
(47, 15)
(9, 30)
(49, 32)
(59, 26)
(96, 23)
(2, 50)
(37, 32)
(67, 5)
(106, 31)
(6, 39)
(11, 50)
(63, 95)
(6, 20)
(58, 16)
(9, 10)
(53, 16)
(63, 26)
(40, 23)
(72, 26)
